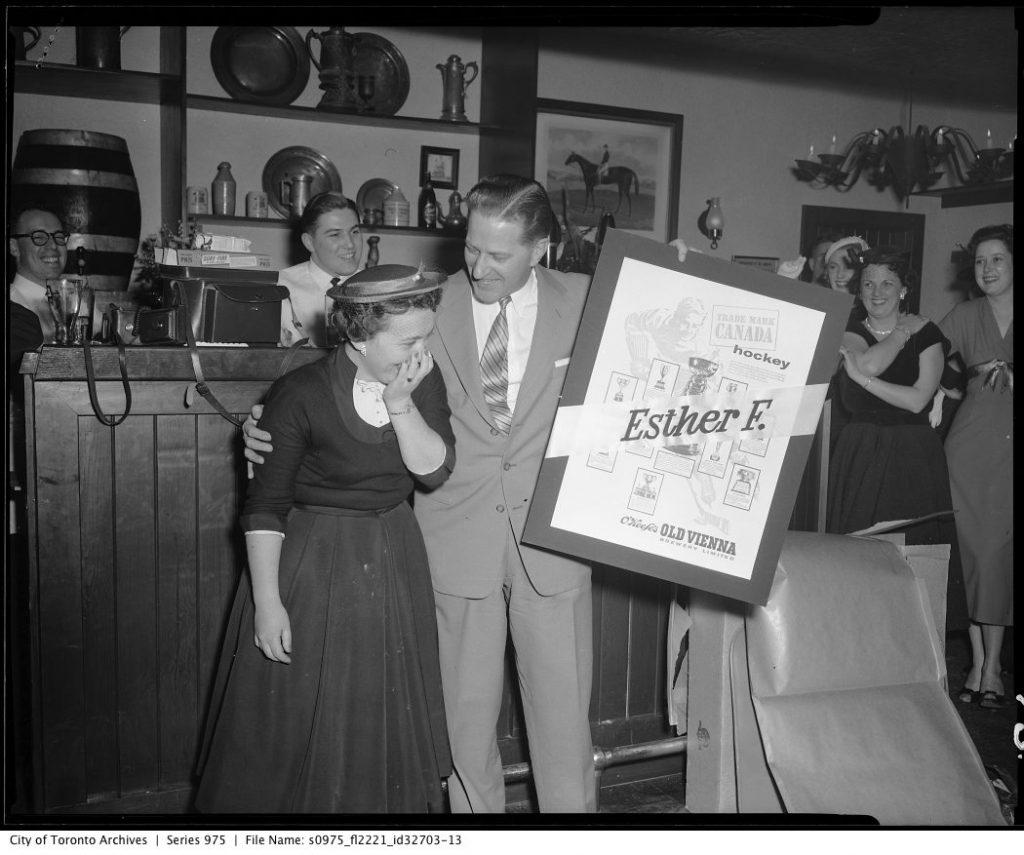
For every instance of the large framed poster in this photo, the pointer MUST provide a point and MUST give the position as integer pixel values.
(686, 418)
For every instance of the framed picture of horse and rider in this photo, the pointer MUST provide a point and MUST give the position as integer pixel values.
(593, 159)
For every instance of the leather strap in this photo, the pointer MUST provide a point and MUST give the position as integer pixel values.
(90, 376)
(201, 385)
(297, 324)
(190, 340)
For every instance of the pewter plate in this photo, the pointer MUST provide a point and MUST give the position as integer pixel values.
(373, 193)
(262, 65)
(376, 56)
(291, 162)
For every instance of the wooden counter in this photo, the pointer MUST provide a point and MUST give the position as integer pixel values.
(134, 556)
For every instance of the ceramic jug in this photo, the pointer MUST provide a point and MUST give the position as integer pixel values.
(453, 76)
(223, 191)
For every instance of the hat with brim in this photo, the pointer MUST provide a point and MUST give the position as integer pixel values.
(387, 282)
(853, 240)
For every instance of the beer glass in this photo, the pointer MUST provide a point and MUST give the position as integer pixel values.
(70, 298)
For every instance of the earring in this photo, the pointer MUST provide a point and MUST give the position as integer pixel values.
(361, 347)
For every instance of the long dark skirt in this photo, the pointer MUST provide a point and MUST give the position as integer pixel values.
(355, 724)
(883, 473)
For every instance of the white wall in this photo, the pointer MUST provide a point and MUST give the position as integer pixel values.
(741, 136)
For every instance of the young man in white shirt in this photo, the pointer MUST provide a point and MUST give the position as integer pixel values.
(331, 232)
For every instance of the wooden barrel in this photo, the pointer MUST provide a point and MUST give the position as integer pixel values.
(86, 179)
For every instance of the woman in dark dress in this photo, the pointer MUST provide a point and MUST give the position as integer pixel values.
(889, 462)
(328, 694)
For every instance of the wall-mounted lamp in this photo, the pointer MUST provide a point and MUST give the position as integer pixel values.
(711, 222)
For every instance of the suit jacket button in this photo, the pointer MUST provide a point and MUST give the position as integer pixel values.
(495, 431)
(500, 509)
(507, 466)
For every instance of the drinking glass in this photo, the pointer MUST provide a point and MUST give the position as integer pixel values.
(67, 295)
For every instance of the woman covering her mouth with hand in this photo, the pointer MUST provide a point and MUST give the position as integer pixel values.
(328, 693)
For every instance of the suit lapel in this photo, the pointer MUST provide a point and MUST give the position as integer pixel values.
(457, 332)
(548, 338)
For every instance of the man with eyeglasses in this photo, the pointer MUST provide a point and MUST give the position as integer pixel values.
(38, 244)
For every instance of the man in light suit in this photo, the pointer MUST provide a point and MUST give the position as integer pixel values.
(487, 583)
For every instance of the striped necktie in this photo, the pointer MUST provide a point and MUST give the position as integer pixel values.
(494, 369)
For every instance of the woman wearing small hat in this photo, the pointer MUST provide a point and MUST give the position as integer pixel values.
(840, 266)
(328, 694)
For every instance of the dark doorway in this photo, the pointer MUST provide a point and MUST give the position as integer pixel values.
(878, 228)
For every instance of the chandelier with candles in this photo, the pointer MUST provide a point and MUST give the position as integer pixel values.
(907, 163)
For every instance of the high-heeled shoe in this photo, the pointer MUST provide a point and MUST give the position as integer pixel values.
(968, 696)
(991, 700)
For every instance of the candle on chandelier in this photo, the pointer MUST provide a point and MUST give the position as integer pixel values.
(832, 147)
(988, 138)
(810, 154)
(938, 137)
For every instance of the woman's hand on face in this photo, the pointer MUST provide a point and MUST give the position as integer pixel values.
(273, 632)
(410, 375)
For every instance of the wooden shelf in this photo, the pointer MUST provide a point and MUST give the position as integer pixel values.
(975, 194)
(311, 114)
(70, 81)
(216, 219)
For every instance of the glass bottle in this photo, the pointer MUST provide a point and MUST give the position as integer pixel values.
(223, 195)
(554, 240)
(426, 209)
(607, 222)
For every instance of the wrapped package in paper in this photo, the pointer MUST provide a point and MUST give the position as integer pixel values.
(846, 676)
